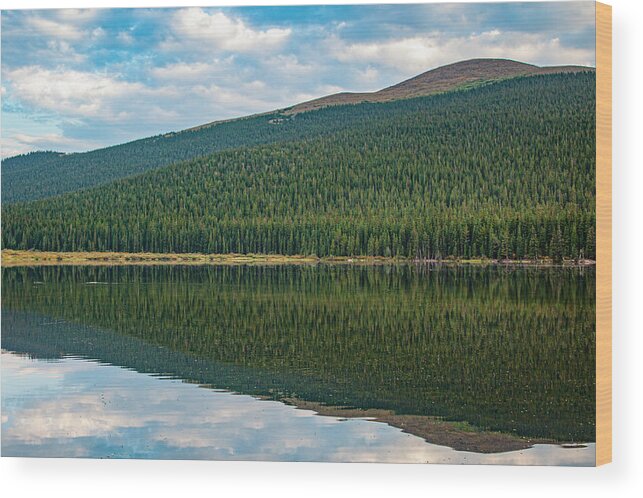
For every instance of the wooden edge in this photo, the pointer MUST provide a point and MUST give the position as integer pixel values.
(603, 234)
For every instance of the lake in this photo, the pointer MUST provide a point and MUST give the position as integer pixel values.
(402, 363)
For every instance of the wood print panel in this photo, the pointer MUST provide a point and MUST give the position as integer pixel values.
(603, 234)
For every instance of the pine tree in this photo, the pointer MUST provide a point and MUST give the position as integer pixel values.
(557, 246)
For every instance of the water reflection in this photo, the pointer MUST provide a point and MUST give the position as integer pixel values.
(78, 408)
(474, 359)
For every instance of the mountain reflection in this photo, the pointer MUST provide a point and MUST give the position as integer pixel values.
(509, 351)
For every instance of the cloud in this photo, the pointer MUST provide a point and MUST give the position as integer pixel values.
(111, 76)
(125, 38)
(75, 93)
(245, 99)
(61, 24)
(77, 15)
(11, 147)
(21, 143)
(288, 65)
(92, 109)
(368, 75)
(194, 71)
(182, 71)
(51, 28)
(420, 53)
(218, 32)
(97, 33)
(61, 51)
(77, 407)
(63, 38)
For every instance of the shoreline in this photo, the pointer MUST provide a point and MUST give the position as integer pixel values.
(459, 436)
(12, 258)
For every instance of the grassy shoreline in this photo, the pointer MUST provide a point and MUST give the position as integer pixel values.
(11, 257)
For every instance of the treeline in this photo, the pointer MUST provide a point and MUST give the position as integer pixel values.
(512, 351)
(504, 171)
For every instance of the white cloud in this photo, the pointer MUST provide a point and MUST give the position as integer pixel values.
(54, 29)
(77, 15)
(195, 71)
(254, 86)
(60, 50)
(97, 33)
(21, 143)
(217, 31)
(12, 148)
(420, 53)
(330, 89)
(220, 97)
(125, 38)
(64, 24)
(368, 75)
(182, 71)
(76, 93)
(288, 65)
(109, 110)
(315, 93)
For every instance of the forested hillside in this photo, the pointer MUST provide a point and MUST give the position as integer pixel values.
(38, 179)
(505, 170)
(44, 175)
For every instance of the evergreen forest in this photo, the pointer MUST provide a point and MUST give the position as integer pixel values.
(503, 171)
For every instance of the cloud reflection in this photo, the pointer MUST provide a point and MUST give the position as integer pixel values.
(76, 408)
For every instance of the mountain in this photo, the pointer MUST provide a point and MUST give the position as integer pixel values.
(505, 170)
(50, 174)
(460, 75)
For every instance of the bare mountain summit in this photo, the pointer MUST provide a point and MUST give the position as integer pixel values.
(441, 79)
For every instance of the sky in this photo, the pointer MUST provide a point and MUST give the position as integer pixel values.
(76, 80)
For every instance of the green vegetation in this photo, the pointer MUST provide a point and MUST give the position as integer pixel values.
(42, 175)
(503, 350)
(39, 178)
(504, 171)
(14, 165)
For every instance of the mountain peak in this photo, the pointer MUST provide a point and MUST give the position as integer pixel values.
(441, 79)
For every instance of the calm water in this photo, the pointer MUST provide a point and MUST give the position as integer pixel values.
(327, 363)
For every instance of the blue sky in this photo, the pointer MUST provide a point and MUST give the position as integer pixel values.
(74, 80)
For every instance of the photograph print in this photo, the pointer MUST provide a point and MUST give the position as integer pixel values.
(330, 233)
